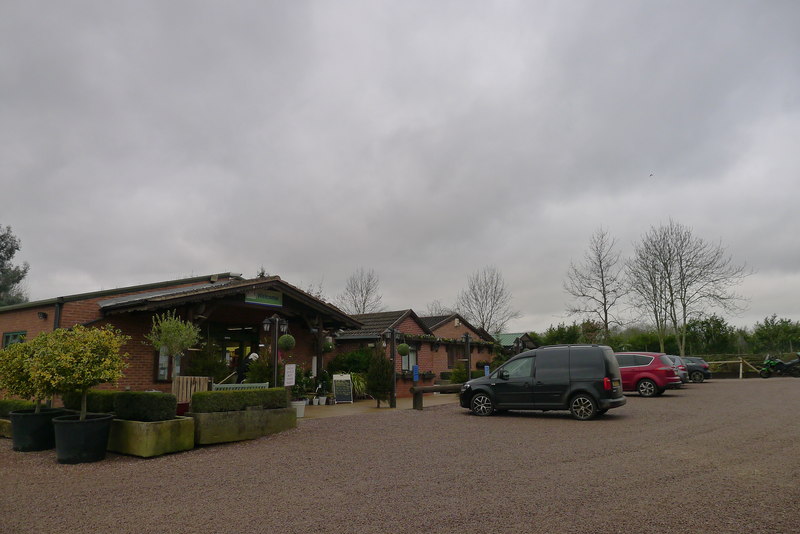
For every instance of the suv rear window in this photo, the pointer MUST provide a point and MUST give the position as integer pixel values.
(666, 360)
(640, 359)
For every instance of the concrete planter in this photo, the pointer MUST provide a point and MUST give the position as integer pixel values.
(5, 428)
(223, 427)
(151, 438)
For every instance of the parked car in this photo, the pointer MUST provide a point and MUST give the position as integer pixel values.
(680, 368)
(583, 379)
(697, 368)
(649, 373)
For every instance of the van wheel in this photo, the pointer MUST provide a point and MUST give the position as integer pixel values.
(647, 388)
(481, 404)
(697, 377)
(583, 407)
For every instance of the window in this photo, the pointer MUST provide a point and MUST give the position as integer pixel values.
(521, 368)
(167, 367)
(638, 359)
(586, 363)
(454, 354)
(625, 360)
(410, 359)
(9, 338)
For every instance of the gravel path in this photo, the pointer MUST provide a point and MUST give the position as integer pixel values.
(723, 456)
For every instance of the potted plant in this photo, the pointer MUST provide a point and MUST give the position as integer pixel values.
(31, 428)
(171, 336)
(77, 360)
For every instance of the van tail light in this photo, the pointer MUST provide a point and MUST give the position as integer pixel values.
(705, 366)
(607, 384)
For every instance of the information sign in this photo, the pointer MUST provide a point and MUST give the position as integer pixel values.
(342, 388)
(288, 375)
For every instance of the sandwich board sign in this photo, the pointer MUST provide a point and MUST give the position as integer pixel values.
(342, 388)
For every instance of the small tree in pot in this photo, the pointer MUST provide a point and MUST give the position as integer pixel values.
(32, 429)
(76, 360)
(172, 334)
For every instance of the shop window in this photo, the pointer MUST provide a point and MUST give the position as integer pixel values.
(167, 367)
(410, 359)
(9, 338)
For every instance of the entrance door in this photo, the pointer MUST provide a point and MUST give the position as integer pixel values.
(516, 390)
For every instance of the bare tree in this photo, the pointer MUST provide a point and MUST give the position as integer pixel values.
(683, 276)
(486, 302)
(361, 293)
(598, 283)
(435, 307)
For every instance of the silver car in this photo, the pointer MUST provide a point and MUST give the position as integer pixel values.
(680, 367)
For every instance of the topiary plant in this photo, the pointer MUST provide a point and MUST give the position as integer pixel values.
(16, 377)
(80, 358)
(286, 342)
(403, 349)
(173, 333)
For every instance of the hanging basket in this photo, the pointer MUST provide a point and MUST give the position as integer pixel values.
(286, 342)
(403, 349)
(327, 346)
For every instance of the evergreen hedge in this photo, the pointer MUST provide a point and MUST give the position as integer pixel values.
(145, 405)
(9, 405)
(234, 401)
(97, 401)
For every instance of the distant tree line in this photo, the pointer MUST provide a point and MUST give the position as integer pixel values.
(705, 335)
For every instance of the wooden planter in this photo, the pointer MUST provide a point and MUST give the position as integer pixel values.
(223, 427)
(151, 438)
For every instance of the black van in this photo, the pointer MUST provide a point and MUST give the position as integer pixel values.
(583, 379)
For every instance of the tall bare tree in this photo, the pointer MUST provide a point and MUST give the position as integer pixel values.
(361, 293)
(683, 275)
(486, 302)
(598, 283)
(435, 307)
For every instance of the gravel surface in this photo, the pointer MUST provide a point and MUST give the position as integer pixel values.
(722, 456)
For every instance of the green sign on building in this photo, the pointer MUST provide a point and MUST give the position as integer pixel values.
(264, 298)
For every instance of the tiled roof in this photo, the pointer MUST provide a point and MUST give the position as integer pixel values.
(435, 320)
(375, 324)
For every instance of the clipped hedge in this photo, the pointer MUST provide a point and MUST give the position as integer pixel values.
(233, 401)
(97, 400)
(145, 406)
(9, 405)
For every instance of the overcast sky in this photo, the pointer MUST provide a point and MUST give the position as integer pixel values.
(143, 141)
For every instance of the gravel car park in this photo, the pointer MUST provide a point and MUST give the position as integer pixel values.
(443, 470)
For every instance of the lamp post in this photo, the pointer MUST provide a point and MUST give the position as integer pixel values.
(393, 348)
(468, 355)
(277, 324)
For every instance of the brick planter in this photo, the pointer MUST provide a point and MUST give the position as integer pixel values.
(223, 427)
(151, 438)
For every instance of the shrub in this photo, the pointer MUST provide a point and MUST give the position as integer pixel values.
(145, 405)
(379, 377)
(234, 401)
(403, 349)
(97, 401)
(171, 332)
(356, 361)
(458, 375)
(9, 405)
(208, 361)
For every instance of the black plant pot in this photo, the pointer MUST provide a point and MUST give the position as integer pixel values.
(32, 431)
(82, 441)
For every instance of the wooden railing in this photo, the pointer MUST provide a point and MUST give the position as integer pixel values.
(184, 386)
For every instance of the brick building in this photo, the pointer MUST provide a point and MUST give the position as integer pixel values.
(241, 317)
(434, 350)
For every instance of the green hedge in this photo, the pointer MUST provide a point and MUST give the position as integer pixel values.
(97, 401)
(145, 406)
(233, 401)
(9, 405)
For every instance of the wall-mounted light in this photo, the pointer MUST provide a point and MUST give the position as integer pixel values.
(42, 315)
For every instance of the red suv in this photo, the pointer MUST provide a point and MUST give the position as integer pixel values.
(649, 373)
